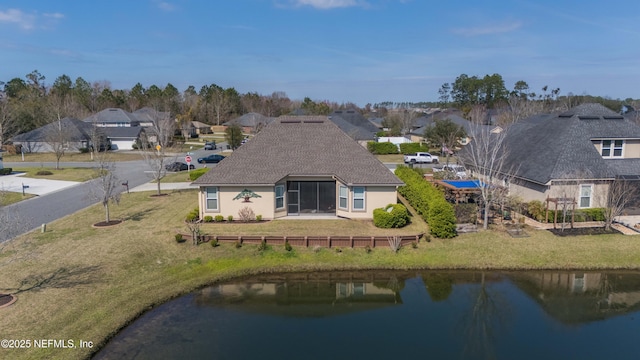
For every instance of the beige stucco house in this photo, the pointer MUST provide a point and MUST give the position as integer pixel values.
(575, 155)
(298, 165)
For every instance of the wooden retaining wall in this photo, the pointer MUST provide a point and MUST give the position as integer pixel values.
(310, 241)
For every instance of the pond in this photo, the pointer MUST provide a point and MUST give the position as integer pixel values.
(395, 315)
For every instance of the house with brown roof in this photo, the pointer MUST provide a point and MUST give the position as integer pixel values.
(298, 165)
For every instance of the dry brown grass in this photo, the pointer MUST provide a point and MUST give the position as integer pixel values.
(79, 282)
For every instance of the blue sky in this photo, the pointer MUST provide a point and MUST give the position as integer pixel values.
(362, 51)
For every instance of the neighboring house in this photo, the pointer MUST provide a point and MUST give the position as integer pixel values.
(147, 116)
(417, 134)
(74, 133)
(355, 125)
(113, 117)
(194, 128)
(298, 165)
(574, 155)
(251, 123)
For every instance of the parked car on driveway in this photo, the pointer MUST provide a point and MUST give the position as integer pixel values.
(211, 159)
(210, 145)
(179, 166)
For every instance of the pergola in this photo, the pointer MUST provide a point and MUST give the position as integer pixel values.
(459, 188)
(564, 201)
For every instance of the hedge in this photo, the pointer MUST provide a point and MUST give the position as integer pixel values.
(391, 216)
(580, 215)
(411, 148)
(6, 171)
(429, 202)
(382, 148)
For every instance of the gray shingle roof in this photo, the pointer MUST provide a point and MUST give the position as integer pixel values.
(300, 146)
(122, 132)
(250, 119)
(354, 124)
(75, 129)
(112, 115)
(560, 147)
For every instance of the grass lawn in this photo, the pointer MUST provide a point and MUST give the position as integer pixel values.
(391, 158)
(8, 198)
(71, 157)
(79, 174)
(80, 282)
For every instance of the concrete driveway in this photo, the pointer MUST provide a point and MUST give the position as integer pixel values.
(14, 182)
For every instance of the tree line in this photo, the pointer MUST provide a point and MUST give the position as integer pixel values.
(28, 103)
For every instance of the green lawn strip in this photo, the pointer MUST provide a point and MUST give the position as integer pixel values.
(71, 157)
(79, 174)
(87, 283)
(8, 198)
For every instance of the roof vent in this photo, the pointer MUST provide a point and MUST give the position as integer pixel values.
(613, 117)
(314, 121)
(567, 114)
(290, 122)
(588, 117)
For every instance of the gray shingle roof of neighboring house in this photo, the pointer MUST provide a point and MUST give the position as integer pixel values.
(113, 115)
(147, 114)
(354, 124)
(300, 146)
(560, 147)
(75, 129)
(250, 120)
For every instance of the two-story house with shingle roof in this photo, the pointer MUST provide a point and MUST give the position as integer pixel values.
(298, 165)
(574, 154)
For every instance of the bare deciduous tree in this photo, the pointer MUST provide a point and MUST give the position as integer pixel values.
(57, 137)
(619, 194)
(486, 156)
(106, 184)
(154, 144)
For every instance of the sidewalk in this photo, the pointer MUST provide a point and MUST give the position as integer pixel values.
(164, 186)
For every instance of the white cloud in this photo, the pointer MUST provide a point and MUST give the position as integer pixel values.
(165, 6)
(16, 16)
(329, 4)
(54, 15)
(489, 30)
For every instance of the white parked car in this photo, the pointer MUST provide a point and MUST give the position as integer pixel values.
(457, 171)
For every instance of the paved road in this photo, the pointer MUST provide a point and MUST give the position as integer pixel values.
(32, 213)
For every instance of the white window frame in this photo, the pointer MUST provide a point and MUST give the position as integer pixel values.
(344, 196)
(358, 197)
(280, 197)
(207, 198)
(580, 196)
(612, 147)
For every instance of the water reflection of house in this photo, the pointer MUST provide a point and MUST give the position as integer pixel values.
(304, 298)
(577, 297)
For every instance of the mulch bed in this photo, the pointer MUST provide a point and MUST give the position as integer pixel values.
(6, 299)
(583, 231)
(110, 223)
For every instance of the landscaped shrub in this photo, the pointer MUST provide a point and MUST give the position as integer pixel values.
(580, 215)
(410, 148)
(423, 196)
(258, 217)
(288, 246)
(262, 246)
(208, 218)
(367, 249)
(196, 173)
(382, 148)
(246, 214)
(230, 218)
(193, 215)
(218, 218)
(180, 238)
(466, 213)
(391, 216)
(536, 210)
(214, 242)
(84, 150)
(238, 245)
(5, 171)
(44, 173)
(442, 219)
